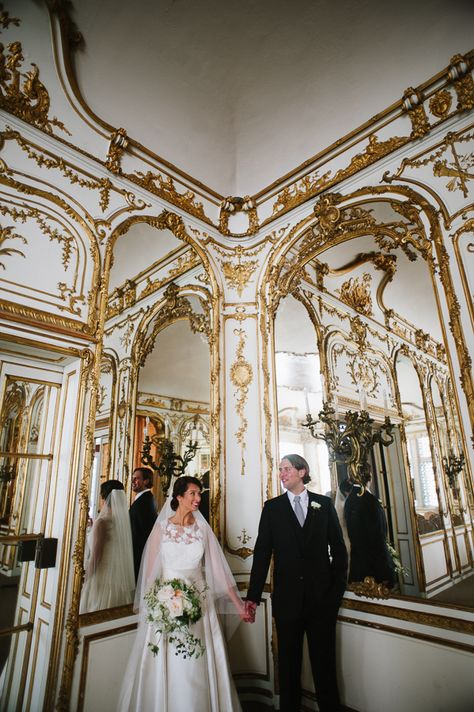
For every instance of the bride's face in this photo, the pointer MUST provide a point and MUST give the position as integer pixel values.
(189, 501)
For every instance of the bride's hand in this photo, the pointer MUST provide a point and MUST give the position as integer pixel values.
(248, 615)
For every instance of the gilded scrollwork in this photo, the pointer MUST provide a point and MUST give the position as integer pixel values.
(413, 105)
(40, 157)
(6, 20)
(369, 588)
(23, 94)
(231, 206)
(440, 104)
(164, 187)
(6, 233)
(241, 376)
(356, 293)
(117, 146)
(174, 307)
(294, 194)
(459, 74)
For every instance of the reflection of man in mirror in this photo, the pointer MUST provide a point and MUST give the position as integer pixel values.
(367, 529)
(142, 512)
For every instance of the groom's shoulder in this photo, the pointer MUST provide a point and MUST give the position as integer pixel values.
(276, 501)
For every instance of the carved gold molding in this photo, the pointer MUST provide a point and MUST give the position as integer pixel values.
(23, 94)
(241, 376)
(6, 233)
(164, 187)
(356, 293)
(231, 206)
(370, 588)
(413, 616)
(17, 312)
(117, 146)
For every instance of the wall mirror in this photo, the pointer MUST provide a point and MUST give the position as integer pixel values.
(361, 331)
(29, 432)
(155, 371)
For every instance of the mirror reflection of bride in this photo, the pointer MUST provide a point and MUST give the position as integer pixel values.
(109, 575)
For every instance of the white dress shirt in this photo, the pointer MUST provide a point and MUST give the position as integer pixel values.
(304, 500)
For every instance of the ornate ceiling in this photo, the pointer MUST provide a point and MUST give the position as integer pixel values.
(238, 94)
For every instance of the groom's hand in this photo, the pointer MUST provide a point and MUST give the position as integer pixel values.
(250, 609)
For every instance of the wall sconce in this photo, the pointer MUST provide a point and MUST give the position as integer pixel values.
(169, 463)
(453, 465)
(350, 441)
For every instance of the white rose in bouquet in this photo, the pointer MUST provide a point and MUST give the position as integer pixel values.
(165, 593)
(175, 606)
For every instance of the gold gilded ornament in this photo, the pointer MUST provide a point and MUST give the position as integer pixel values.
(24, 95)
(440, 104)
(355, 292)
(232, 205)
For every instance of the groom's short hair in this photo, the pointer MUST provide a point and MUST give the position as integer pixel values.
(299, 463)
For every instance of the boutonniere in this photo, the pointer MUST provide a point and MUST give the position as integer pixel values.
(315, 506)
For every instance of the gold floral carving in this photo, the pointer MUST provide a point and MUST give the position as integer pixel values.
(232, 205)
(118, 144)
(165, 188)
(241, 375)
(6, 233)
(175, 307)
(296, 193)
(67, 294)
(183, 264)
(237, 275)
(24, 95)
(103, 185)
(369, 588)
(374, 151)
(459, 73)
(440, 104)
(356, 293)
(6, 20)
(413, 105)
(455, 166)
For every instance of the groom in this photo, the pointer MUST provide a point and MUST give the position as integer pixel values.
(301, 530)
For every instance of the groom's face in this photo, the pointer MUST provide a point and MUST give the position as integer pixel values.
(291, 478)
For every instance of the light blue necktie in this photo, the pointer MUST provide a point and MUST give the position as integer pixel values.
(299, 510)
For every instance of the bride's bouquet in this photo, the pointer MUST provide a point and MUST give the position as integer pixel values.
(172, 606)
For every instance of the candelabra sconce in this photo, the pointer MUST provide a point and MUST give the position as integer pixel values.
(350, 441)
(170, 464)
(453, 465)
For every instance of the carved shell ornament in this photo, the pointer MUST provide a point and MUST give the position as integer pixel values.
(241, 373)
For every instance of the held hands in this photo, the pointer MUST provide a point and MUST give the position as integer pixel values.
(249, 612)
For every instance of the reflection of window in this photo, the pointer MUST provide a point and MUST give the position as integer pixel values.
(422, 470)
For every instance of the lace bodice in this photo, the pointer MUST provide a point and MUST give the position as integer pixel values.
(183, 549)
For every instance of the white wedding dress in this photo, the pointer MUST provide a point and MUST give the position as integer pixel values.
(167, 682)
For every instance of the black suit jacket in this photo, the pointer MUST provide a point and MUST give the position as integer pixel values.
(142, 519)
(367, 529)
(309, 562)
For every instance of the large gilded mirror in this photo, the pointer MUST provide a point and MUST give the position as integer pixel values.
(154, 392)
(357, 328)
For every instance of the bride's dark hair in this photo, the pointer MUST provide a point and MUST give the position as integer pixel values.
(180, 487)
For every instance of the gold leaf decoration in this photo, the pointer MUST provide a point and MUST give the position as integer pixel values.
(440, 104)
(6, 233)
(355, 292)
(24, 95)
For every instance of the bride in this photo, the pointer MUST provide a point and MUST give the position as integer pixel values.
(159, 677)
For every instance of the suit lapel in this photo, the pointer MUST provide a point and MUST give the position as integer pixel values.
(310, 521)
